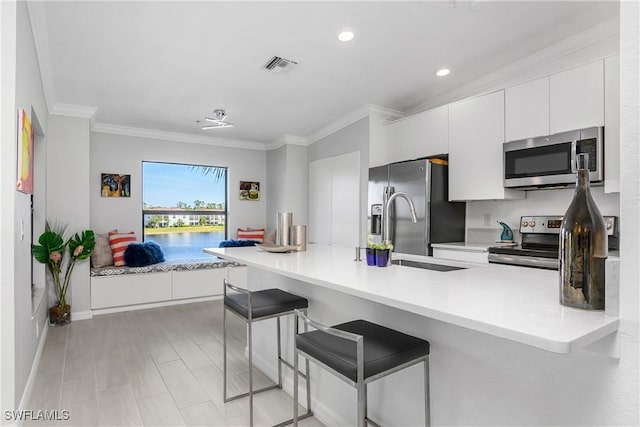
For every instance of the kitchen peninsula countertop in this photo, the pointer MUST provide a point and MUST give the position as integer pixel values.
(516, 303)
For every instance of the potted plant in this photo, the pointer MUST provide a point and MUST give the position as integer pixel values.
(51, 251)
(383, 254)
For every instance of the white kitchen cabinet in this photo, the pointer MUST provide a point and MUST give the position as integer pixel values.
(432, 132)
(612, 124)
(400, 138)
(476, 135)
(334, 200)
(577, 98)
(527, 110)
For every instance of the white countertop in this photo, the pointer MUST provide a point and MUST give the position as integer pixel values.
(516, 303)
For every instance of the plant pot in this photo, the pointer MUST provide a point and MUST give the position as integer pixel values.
(60, 316)
(382, 257)
(371, 256)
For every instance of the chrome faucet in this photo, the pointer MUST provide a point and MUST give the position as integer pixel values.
(386, 224)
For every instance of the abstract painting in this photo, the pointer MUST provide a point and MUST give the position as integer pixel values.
(115, 185)
(25, 153)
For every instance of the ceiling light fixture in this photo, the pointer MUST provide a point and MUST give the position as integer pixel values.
(443, 72)
(218, 121)
(345, 36)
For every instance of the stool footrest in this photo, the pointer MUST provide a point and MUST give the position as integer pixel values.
(240, 396)
(290, 366)
(301, 417)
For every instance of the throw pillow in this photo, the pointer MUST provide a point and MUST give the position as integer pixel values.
(102, 255)
(119, 243)
(256, 234)
(143, 254)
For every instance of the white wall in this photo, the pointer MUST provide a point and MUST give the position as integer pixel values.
(8, 35)
(124, 155)
(21, 325)
(68, 193)
(287, 183)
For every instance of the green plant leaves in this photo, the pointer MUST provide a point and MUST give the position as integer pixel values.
(86, 239)
(49, 242)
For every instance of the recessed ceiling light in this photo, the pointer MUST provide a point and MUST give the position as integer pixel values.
(345, 36)
(443, 72)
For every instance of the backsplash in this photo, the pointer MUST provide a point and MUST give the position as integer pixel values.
(482, 215)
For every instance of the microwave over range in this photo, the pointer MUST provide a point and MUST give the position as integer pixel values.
(550, 161)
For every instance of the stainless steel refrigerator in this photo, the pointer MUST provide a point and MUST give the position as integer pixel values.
(427, 183)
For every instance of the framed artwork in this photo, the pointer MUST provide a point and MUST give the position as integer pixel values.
(25, 153)
(115, 185)
(249, 190)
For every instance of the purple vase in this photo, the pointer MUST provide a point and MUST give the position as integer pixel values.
(382, 257)
(371, 256)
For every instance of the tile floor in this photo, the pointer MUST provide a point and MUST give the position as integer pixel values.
(154, 367)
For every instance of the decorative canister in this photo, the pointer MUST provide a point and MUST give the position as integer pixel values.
(298, 234)
(284, 224)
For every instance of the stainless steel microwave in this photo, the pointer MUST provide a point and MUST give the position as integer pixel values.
(549, 161)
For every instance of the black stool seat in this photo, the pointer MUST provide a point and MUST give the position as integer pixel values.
(264, 303)
(384, 348)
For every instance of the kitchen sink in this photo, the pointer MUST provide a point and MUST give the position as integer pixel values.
(425, 265)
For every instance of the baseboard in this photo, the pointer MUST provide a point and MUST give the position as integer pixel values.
(324, 414)
(28, 388)
(81, 315)
(151, 305)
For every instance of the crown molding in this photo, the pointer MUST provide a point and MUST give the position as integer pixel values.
(352, 117)
(490, 82)
(287, 139)
(176, 137)
(70, 110)
(36, 14)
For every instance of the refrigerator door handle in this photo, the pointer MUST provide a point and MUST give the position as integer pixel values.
(427, 205)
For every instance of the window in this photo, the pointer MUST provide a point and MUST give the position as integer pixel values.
(184, 208)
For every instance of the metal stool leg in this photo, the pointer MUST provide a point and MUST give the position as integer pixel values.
(224, 353)
(427, 394)
(279, 354)
(249, 340)
(295, 374)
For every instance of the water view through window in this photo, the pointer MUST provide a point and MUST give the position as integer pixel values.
(184, 208)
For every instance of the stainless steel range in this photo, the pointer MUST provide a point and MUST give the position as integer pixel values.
(540, 244)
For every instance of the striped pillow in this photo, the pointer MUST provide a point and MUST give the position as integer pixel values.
(118, 243)
(256, 234)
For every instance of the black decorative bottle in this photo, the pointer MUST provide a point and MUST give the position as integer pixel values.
(583, 247)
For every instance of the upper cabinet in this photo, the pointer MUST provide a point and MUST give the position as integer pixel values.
(421, 135)
(400, 138)
(577, 98)
(432, 132)
(612, 124)
(527, 110)
(476, 135)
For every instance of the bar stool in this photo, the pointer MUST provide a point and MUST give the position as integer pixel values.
(359, 352)
(253, 307)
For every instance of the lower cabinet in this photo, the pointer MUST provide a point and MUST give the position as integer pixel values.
(134, 289)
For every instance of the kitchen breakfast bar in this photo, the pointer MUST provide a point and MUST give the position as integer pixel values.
(498, 334)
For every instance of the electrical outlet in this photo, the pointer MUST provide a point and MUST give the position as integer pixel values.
(487, 219)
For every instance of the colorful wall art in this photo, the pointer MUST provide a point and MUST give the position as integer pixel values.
(115, 185)
(25, 153)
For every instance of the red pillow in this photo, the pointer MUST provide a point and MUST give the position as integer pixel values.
(118, 243)
(256, 234)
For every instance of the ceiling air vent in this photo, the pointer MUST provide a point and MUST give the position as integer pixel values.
(280, 65)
